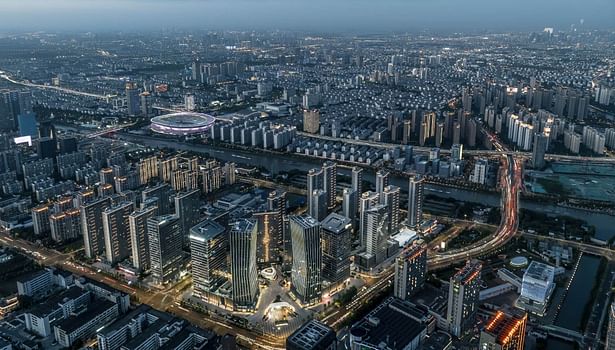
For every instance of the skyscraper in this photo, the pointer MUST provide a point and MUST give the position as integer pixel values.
(357, 179)
(65, 225)
(336, 246)
(267, 247)
(329, 170)
(116, 229)
(315, 181)
(146, 104)
(415, 201)
(165, 247)
(139, 239)
(357, 184)
(318, 204)
(307, 258)
(368, 200)
(46, 147)
(390, 197)
(208, 246)
(463, 296)
(276, 203)
(410, 271)
(40, 219)
(541, 142)
(377, 233)
(132, 99)
(457, 152)
(349, 205)
(161, 194)
(244, 275)
(504, 332)
(92, 227)
(187, 208)
(382, 180)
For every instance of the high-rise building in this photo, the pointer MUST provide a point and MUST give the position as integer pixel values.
(390, 197)
(268, 249)
(314, 335)
(349, 205)
(382, 180)
(504, 332)
(464, 290)
(276, 203)
(46, 147)
(315, 181)
(162, 195)
(92, 227)
(318, 204)
(457, 152)
(368, 200)
(357, 179)
(410, 271)
(132, 99)
(377, 233)
(187, 208)
(541, 142)
(336, 246)
(139, 238)
(40, 219)
(329, 170)
(311, 121)
(67, 144)
(65, 225)
(116, 230)
(307, 258)
(208, 246)
(146, 104)
(165, 248)
(610, 331)
(244, 274)
(415, 201)
(481, 169)
(357, 183)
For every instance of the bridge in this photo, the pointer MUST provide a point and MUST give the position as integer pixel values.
(584, 247)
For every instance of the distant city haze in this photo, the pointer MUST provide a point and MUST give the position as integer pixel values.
(349, 16)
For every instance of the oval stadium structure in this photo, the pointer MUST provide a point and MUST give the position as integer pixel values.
(182, 123)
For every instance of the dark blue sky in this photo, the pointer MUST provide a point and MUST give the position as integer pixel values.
(362, 16)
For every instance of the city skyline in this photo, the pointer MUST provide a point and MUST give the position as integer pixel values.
(317, 175)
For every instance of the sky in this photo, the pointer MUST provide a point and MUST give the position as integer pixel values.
(352, 16)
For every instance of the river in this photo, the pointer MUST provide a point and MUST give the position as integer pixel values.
(578, 294)
(604, 224)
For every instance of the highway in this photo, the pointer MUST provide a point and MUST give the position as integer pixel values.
(4, 76)
(511, 183)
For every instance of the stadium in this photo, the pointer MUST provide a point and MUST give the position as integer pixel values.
(182, 123)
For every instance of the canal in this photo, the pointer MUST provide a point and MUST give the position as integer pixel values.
(604, 224)
(579, 294)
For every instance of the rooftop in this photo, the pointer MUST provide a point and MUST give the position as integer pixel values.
(72, 323)
(388, 324)
(540, 271)
(336, 223)
(206, 230)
